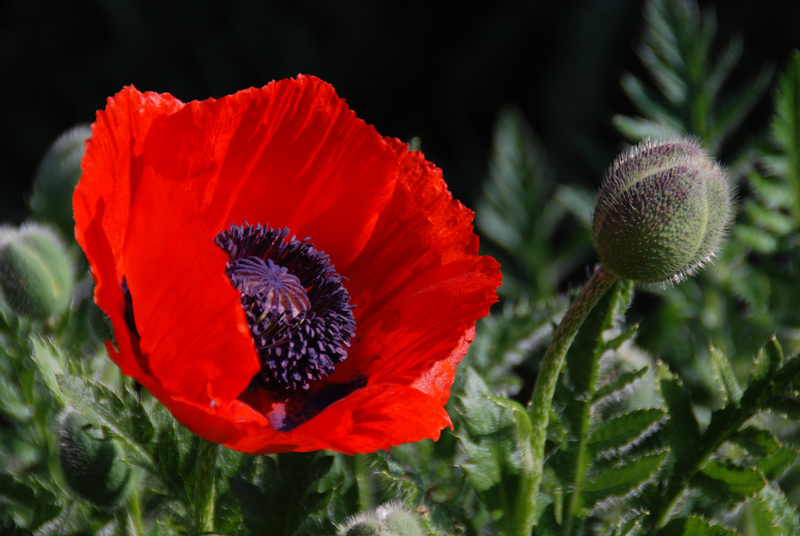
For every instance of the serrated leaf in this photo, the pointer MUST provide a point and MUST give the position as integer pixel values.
(694, 526)
(50, 360)
(629, 525)
(619, 383)
(584, 353)
(99, 403)
(140, 424)
(257, 514)
(773, 515)
(618, 432)
(684, 431)
(727, 482)
(774, 466)
(481, 416)
(759, 443)
(623, 479)
(723, 373)
(167, 456)
(523, 422)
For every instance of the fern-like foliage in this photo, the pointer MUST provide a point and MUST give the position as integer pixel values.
(678, 51)
(529, 223)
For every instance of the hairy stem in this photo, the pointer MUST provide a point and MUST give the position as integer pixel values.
(539, 407)
(204, 486)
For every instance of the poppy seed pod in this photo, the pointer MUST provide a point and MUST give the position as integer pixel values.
(662, 211)
(35, 272)
(92, 465)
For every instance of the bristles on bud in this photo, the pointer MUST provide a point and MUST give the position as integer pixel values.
(662, 211)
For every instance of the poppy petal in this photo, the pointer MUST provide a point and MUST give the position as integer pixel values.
(289, 154)
(419, 307)
(192, 327)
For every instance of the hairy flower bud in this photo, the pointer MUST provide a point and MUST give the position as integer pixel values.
(56, 178)
(35, 273)
(390, 519)
(92, 463)
(662, 211)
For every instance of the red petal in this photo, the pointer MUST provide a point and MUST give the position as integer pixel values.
(112, 164)
(289, 154)
(193, 330)
(371, 418)
(419, 285)
(101, 202)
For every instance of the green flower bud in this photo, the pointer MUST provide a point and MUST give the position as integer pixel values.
(364, 528)
(35, 272)
(56, 178)
(662, 211)
(403, 523)
(92, 463)
(390, 519)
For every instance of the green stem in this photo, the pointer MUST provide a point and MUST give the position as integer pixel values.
(204, 486)
(135, 510)
(539, 407)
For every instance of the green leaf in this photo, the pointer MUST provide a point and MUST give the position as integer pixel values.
(723, 373)
(140, 424)
(727, 482)
(258, 515)
(103, 406)
(167, 456)
(774, 466)
(286, 496)
(522, 208)
(619, 383)
(785, 131)
(629, 525)
(51, 361)
(694, 526)
(773, 515)
(759, 443)
(682, 426)
(622, 479)
(619, 432)
(584, 353)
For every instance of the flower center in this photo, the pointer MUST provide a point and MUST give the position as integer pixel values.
(298, 311)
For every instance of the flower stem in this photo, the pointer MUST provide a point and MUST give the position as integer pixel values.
(539, 407)
(204, 486)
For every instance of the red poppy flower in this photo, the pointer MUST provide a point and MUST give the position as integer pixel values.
(347, 340)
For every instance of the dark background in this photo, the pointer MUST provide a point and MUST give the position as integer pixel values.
(411, 69)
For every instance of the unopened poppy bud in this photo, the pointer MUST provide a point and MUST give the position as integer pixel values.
(662, 211)
(35, 272)
(56, 178)
(390, 519)
(364, 528)
(403, 523)
(91, 462)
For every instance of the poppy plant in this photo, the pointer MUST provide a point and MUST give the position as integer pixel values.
(194, 219)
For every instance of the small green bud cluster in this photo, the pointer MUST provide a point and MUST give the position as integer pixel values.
(57, 177)
(388, 520)
(92, 463)
(36, 276)
(662, 211)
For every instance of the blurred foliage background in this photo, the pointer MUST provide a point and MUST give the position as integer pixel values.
(412, 69)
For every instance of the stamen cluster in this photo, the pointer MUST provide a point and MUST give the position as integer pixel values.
(297, 308)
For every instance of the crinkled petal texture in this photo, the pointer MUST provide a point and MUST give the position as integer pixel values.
(161, 178)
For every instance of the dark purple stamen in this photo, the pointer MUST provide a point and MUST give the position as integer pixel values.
(298, 310)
